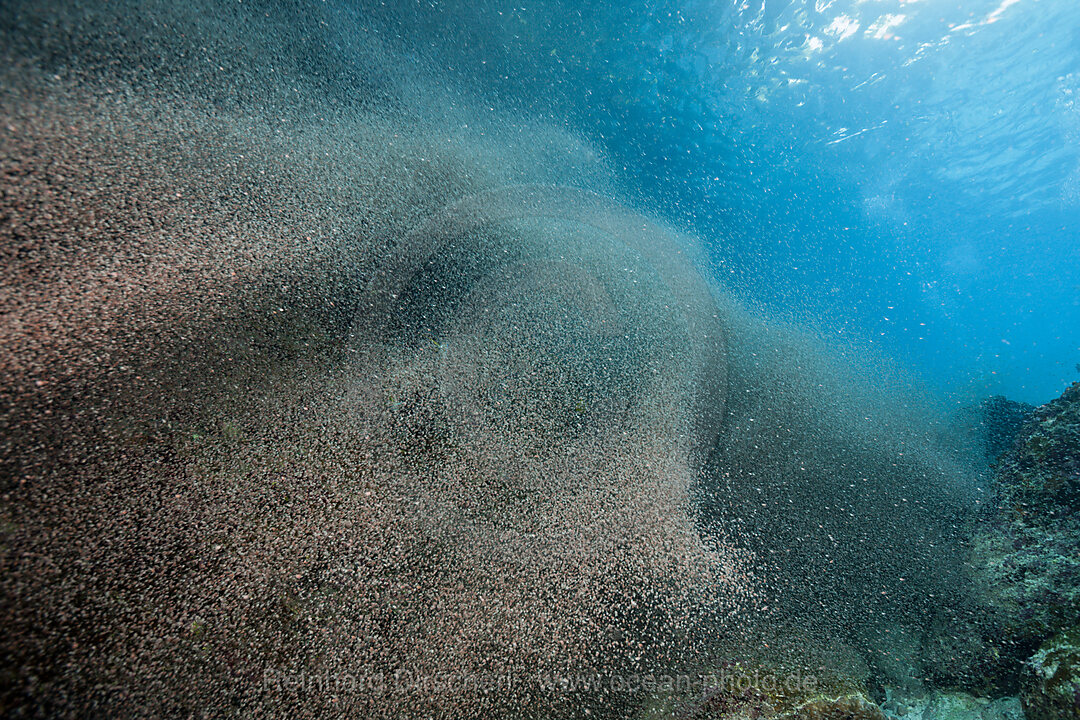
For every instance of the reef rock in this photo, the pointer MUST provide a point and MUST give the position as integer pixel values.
(1050, 689)
(950, 705)
(1039, 476)
(788, 678)
(761, 704)
(1024, 558)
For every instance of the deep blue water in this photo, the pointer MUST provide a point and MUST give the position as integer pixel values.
(903, 173)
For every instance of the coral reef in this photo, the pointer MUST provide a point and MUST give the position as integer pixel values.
(735, 691)
(950, 705)
(1039, 477)
(1050, 689)
(1024, 557)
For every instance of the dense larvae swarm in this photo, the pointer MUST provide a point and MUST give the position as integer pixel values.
(231, 471)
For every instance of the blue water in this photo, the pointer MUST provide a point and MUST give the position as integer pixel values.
(902, 173)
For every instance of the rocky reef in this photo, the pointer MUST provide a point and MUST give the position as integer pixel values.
(1039, 476)
(1024, 566)
(1050, 688)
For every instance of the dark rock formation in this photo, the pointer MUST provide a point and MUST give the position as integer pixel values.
(1024, 557)
(1051, 683)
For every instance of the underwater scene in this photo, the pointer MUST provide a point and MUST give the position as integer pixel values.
(536, 359)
